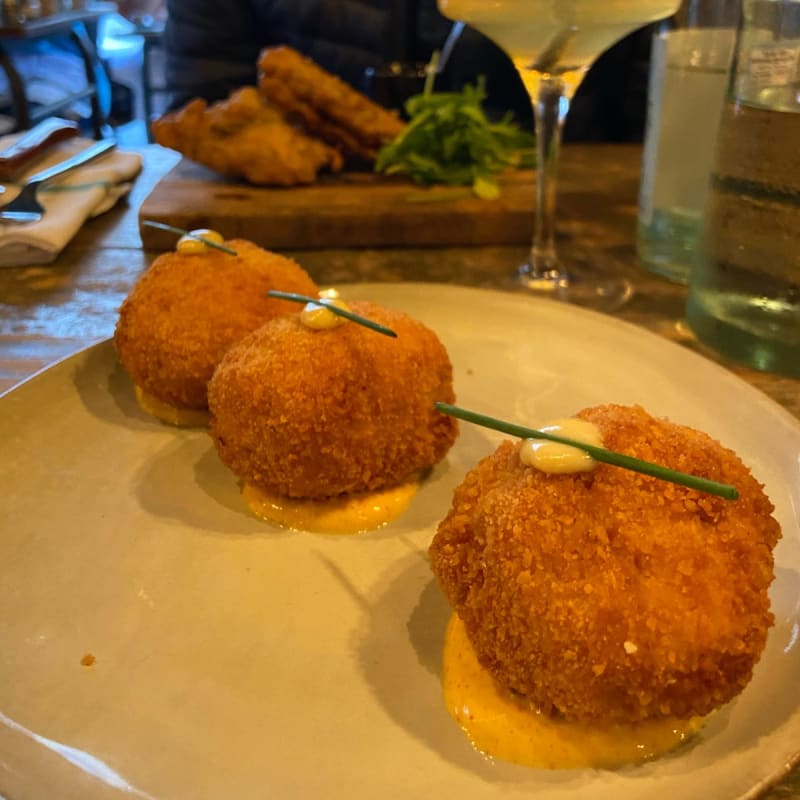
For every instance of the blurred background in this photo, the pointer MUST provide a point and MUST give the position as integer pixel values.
(97, 63)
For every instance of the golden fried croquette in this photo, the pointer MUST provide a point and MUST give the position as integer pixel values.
(186, 311)
(315, 414)
(608, 595)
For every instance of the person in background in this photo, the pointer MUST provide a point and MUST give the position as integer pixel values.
(142, 9)
(212, 49)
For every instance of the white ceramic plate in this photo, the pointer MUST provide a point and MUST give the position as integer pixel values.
(237, 661)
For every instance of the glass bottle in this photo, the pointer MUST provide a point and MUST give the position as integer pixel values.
(689, 69)
(744, 294)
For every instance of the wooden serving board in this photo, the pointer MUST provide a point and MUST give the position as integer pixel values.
(348, 210)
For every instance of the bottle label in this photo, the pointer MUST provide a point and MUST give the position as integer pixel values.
(773, 65)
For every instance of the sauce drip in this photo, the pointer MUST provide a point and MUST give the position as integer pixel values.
(503, 725)
(352, 513)
(182, 417)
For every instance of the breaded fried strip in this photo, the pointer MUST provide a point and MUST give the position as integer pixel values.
(244, 137)
(300, 87)
(303, 114)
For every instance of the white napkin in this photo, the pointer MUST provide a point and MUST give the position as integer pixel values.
(69, 201)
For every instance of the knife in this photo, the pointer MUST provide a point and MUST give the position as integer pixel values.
(33, 144)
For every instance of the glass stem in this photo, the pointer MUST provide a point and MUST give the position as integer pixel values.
(550, 108)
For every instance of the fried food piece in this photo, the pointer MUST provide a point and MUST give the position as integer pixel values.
(324, 104)
(611, 596)
(315, 414)
(244, 137)
(186, 311)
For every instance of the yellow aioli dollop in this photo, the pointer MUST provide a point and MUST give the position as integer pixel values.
(189, 245)
(558, 458)
(318, 317)
(353, 513)
(503, 725)
(181, 417)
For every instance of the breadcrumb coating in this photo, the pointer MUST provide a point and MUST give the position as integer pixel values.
(186, 311)
(613, 596)
(316, 413)
(324, 104)
(243, 136)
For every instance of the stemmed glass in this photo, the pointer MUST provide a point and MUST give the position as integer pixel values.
(552, 44)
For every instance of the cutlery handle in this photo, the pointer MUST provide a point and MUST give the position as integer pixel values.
(32, 144)
(89, 154)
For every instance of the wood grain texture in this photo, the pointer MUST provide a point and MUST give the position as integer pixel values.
(367, 210)
(351, 210)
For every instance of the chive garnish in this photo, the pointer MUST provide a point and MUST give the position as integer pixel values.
(328, 303)
(181, 232)
(597, 453)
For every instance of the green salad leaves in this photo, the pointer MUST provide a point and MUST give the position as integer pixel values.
(449, 139)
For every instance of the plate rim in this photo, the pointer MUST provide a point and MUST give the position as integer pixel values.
(609, 320)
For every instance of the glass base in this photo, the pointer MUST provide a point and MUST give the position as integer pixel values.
(598, 294)
(746, 329)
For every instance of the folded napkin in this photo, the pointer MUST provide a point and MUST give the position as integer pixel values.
(69, 201)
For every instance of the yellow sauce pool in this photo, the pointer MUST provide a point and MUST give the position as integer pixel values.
(182, 417)
(502, 725)
(348, 514)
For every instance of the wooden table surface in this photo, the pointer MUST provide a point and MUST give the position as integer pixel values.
(49, 312)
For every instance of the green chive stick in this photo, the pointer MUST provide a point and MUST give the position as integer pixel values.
(597, 453)
(331, 306)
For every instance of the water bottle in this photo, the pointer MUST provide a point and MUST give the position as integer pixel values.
(689, 70)
(744, 293)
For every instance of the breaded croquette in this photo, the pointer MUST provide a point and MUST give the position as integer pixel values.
(314, 414)
(609, 595)
(186, 311)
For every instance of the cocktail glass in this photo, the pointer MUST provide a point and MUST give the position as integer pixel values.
(552, 44)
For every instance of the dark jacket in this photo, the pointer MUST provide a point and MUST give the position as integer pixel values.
(212, 48)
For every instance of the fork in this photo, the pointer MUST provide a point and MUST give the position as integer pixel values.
(25, 207)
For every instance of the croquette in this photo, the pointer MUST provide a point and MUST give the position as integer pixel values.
(609, 595)
(314, 414)
(187, 310)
